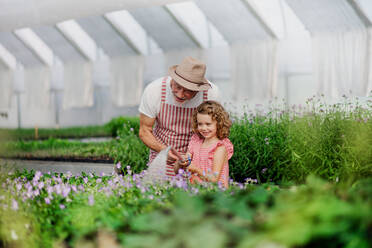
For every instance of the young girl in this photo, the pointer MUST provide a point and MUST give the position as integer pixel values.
(209, 149)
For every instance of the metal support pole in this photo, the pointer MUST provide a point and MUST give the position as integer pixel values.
(18, 108)
(209, 31)
(148, 43)
(56, 106)
(286, 85)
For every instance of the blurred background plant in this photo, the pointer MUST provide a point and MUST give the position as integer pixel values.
(56, 133)
(331, 141)
(129, 124)
(279, 145)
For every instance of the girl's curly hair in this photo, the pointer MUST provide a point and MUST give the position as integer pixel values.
(218, 113)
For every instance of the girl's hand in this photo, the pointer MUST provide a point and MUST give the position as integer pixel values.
(183, 163)
(180, 164)
(193, 168)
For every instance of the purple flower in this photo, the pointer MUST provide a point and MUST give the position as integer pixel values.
(73, 187)
(19, 186)
(29, 194)
(179, 183)
(47, 200)
(91, 200)
(61, 206)
(85, 179)
(36, 192)
(14, 205)
(118, 165)
(40, 185)
(49, 189)
(58, 189)
(37, 176)
(66, 191)
(99, 180)
(263, 170)
(68, 174)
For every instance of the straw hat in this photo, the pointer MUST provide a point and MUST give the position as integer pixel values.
(190, 74)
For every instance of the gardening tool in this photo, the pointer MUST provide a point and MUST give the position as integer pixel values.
(155, 172)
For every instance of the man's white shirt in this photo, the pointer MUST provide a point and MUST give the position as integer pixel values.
(151, 98)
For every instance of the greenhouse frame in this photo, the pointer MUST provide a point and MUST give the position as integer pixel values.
(74, 63)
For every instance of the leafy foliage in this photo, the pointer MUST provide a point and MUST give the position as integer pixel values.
(120, 123)
(317, 213)
(49, 133)
(331, 141)
(130, 150)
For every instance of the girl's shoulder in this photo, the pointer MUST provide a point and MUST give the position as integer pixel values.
(228, 146)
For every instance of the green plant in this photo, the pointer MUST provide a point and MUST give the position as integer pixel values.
(330, 141)
(259, 148)
(122, 123)
(47, 133)
(130, 150)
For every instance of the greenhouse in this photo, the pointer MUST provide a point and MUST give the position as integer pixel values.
(172, 123)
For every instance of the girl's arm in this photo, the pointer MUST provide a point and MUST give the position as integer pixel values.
(219, 159)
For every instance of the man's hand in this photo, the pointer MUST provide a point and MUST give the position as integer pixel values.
(172, 156)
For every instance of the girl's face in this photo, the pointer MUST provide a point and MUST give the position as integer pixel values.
(206, 126)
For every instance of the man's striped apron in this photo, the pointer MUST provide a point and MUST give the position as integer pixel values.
(173, 126)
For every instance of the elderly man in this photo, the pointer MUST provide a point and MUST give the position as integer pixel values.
(167, 105)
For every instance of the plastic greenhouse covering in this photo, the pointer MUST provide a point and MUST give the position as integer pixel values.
(85, 62)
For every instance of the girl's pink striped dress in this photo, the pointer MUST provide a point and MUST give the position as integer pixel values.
(203, 158)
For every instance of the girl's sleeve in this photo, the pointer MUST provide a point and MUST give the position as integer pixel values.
(194, 140)
(228, 145)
